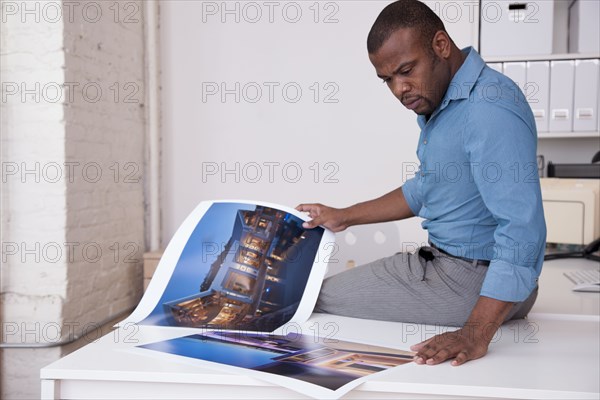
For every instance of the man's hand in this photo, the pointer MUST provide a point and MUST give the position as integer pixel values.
(465, 344)
(389, 207)
(331, 218)
(469, 342)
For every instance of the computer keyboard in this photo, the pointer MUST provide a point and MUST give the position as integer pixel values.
(585, 280)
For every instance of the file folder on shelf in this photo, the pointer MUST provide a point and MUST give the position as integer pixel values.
(537, 92)
(585, 108)
(562, 76)
(496, 66)
(517, 72)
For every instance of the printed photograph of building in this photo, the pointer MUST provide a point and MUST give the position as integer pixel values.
(254, 282)
(327, 363)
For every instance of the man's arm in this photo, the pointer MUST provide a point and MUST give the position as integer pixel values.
(389, 207)
(500, 135)
(469, 342)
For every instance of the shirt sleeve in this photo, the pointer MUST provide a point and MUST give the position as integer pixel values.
(501, 143)
(411, 193)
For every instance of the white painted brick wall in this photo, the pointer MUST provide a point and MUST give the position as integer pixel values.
(88, 213)
(33, 209)
(21, 382)
(110, 132)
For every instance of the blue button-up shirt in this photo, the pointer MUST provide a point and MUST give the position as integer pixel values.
(477, 186)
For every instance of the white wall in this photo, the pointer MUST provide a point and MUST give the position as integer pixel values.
(33, 209)
(72, 225)
(347, 151)
(108, 210)
(580, 150)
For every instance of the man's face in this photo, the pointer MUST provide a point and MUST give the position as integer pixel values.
(416, 75)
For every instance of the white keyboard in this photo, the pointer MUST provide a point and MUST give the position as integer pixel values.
(585, 280)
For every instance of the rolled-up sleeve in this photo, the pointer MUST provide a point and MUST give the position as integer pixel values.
(411, 193)
(501, 147)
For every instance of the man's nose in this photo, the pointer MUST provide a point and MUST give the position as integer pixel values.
(399, 88)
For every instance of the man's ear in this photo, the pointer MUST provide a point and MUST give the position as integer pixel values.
(441, 44)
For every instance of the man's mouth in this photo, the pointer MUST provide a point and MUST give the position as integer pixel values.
(412, 103)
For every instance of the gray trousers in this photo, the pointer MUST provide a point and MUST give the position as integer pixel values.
(427, 287)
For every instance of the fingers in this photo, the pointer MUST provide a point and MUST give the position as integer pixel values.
(422, 350)
(305, 207)
(447, 346)
(432, 354)
(330, 218)
(419, 346)
(460, 359)
(313, 223)
(440, 356)
(313, 210)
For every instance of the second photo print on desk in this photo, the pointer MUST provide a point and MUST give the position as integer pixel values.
(294, 358)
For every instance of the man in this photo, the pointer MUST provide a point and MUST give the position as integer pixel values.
(477, 189)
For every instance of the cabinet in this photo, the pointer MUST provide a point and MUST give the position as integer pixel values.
(551, 49)
(564, 106)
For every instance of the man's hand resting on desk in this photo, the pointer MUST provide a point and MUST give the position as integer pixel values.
(463, 345)
(469, 342)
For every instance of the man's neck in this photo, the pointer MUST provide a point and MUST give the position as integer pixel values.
(456, 60)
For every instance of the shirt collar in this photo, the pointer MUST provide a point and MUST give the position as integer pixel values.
(462, 83)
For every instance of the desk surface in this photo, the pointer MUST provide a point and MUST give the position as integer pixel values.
(555, 294)
(546, 356)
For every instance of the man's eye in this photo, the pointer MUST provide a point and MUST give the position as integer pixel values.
(385, 80)
(406, 71)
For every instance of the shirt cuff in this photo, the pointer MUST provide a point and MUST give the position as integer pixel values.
(508, 282)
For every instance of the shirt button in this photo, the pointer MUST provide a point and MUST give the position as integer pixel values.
(425, 141)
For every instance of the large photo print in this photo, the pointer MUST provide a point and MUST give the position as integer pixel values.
(244, 267)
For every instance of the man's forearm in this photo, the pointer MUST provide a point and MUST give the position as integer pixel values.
(487, 316)
(389, 207)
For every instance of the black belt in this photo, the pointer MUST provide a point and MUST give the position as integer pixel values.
(479, 262)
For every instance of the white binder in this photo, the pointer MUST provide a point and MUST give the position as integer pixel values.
(585, 108)
(517, 72)
(562, 77)
(496, 66)
(537, 92)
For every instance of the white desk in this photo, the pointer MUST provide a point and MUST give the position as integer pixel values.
(555, 294)
(547, 356)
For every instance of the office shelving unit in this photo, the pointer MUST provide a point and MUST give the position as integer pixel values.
(547, 57)
(552, 57)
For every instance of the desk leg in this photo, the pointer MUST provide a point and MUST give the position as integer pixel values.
(50, 389)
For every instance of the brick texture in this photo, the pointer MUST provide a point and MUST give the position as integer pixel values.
(72, 175)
